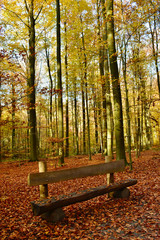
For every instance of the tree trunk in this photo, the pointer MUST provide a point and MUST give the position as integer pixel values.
(59, 88)
(13, 121)
(95, 118)
(73, 125)
(56, 109)
(76, 118)
(147, 127)
(51, 91)
(124, 69)
(83, 116)
(108, 103)
(0, 124)
(103, 84)
(67, 108)
(100, 124)
(118, 116)
(155, 53)
(86, 91)
(138, 127)
(32, 90)
(88, 122)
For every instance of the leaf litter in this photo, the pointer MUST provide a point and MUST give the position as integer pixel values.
(99, 218)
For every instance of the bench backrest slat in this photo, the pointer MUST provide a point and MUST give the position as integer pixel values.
(35, 179)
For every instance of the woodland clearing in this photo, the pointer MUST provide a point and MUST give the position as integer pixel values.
(100, 218)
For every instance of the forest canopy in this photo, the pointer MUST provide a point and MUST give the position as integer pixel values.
(78, 77)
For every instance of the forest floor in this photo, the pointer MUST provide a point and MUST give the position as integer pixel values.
(100, 218)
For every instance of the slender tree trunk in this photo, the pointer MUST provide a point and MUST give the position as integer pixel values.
(155, 52)
(51, 91)
(86, 91)
(146, 133)
(39, 132)
(100, 125)
(28, 135)
(13, 121)
(127, 106)
(136, 95)
(109, 115)
(83, 116)
(56, 110)
(32, 90)
(138, 126)
(103, 82)
(88, 122)
(134, 117)
(0, 124)
(103, 85)
(27, 140)
(118, 116)
(76, 118)
(95, 118)
(147, 125)
(73, 125)
(100, 63)
(67, 108)
(59, 87)
(124, 69)
(141, 126)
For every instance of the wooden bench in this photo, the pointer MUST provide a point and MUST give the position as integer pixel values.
(51, 209)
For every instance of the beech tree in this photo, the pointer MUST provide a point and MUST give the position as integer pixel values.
(31, 82)
(29, 22)
(67, 88)
(59, 87)
(118, 116)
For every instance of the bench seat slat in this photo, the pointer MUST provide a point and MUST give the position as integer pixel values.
(42, 206)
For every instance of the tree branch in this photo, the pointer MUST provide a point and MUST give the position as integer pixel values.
(27, 8)
(17, 16)
(39, 12)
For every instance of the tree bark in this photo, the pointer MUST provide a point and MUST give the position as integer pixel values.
(95, 118)
(109, 114)
(86, 91)
(32, 89)
(155, 53)
(127, 107)
(13, 121)
(0, 120)
(59, 88)
(103, 82)
(123, 49)
(118, 116)
(76, 118)
(67, 107)
(51, 91)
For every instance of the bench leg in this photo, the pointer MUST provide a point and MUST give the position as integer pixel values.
(122, 193)
(55, 216)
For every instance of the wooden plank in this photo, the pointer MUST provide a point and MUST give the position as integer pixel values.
(35, 179)
(48, 205)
